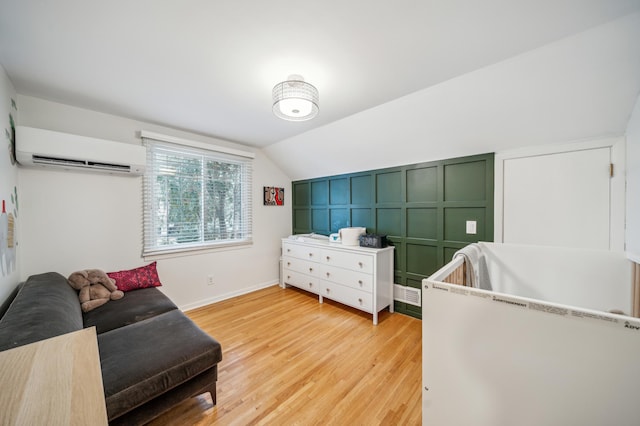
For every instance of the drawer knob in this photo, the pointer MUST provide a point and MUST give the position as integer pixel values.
(288, 263)
(360, 264)
(360, 282)
(310, 269)
(310, 284)
(328, 274)
(328, 258)
(310, 254)
(328, 290)
(288, 277)
(288, 250)
(360, 300)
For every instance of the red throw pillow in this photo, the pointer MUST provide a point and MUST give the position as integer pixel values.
(142, 277)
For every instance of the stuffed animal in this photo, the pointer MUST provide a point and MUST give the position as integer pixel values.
(95, 288)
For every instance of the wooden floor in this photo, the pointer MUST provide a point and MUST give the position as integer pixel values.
(289, 360)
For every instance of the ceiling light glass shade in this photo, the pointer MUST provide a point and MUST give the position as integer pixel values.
(295, 99)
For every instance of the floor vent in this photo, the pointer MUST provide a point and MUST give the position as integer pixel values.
(406, 294)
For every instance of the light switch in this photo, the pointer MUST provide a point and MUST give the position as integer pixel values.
(471, 227)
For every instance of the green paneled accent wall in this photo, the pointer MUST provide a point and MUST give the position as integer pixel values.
(422, 208)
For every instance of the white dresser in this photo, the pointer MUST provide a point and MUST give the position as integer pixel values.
(355, 276)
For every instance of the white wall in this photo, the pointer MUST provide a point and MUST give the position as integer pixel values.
(581, 87)
(9, 270)
(632, 233)
(75, 221)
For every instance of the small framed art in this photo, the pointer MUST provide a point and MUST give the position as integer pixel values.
(273, 196)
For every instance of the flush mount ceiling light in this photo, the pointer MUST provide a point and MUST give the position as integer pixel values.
(295, 100)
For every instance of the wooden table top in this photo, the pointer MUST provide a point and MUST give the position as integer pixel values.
(56, 381)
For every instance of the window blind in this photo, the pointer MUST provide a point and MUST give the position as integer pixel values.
(195, 198)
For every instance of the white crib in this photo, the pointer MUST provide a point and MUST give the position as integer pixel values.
(540, 348)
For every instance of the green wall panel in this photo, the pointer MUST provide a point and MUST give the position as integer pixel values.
(339, 219)
(339, 191)
(422, 208)
(319, 193)
(399, 259)
(422, 223)
(301, 219)
(361, 217)
(414, 311)
(465, 181)
(422, 184)
(301, 194)
(389, 222)
(389, 187)
(320, 220)
(422, 260)
(455, 224)
(448, 253)
(361, 190)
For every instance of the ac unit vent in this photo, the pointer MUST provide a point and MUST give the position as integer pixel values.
(39, 159)
(67, 162)
(109, 166)
(408, 295)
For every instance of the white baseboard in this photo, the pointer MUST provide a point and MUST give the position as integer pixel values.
(220, 298)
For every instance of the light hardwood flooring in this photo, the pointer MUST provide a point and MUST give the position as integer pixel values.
(289, 360)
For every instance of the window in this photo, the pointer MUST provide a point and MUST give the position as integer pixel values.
(194, 198)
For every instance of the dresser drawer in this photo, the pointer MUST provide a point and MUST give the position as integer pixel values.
(347, 295)
(353, 279)
(301, 252)
(299, 265)
(353, 261)
(305, 282)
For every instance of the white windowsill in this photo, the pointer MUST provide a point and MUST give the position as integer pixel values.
(194, 251)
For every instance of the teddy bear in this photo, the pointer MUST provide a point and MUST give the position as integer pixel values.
(95, 288)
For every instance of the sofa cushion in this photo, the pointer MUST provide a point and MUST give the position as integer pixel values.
(133, 279)
(135, 306)
(45, 306)
(145, 359)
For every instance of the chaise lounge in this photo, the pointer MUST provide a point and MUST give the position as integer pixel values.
(152, 356)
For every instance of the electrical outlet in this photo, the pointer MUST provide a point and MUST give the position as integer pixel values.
(210, 280)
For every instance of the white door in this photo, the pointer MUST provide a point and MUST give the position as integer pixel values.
(558, 199)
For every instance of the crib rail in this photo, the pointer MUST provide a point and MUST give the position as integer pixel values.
(458, 275)
(453, 272)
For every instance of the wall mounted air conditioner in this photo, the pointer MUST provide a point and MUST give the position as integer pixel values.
(46, 148)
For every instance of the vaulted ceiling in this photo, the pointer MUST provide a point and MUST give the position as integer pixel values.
(208, 66)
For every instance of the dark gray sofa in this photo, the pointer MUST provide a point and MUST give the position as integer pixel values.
(152, 356)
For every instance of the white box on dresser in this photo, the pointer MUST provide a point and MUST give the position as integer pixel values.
(356, 276)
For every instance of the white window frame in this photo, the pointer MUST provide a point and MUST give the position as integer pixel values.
(151, 248)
